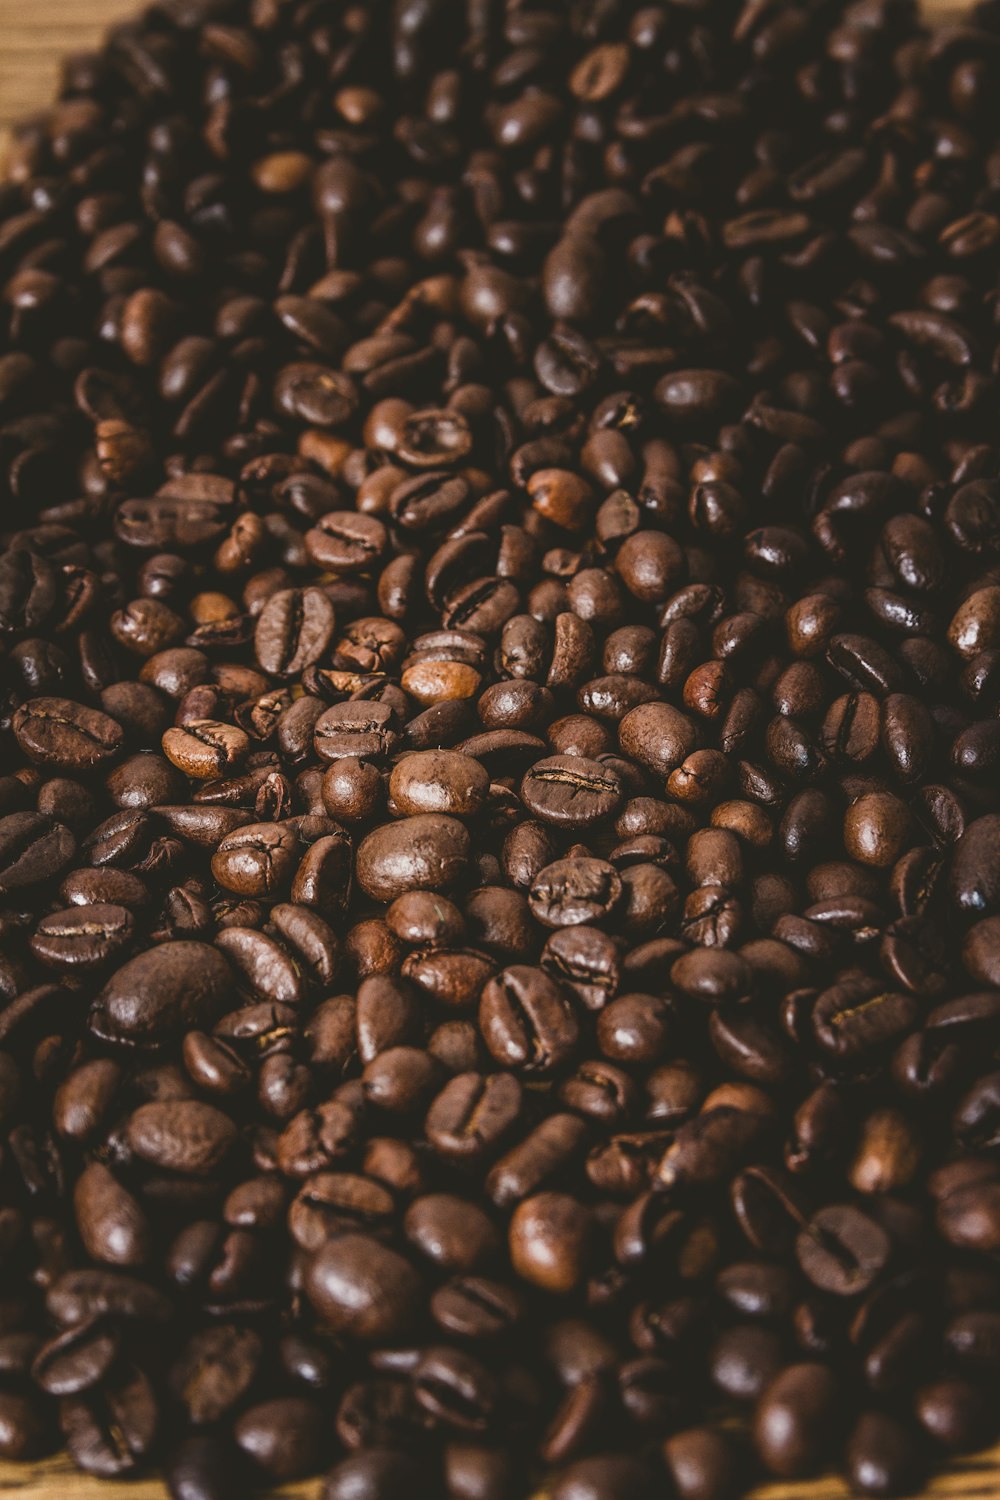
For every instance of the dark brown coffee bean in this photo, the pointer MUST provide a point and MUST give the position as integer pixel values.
(571, 791)
(362, 1289)
(293, 631)
(65, 735)
(181, 1136)
(214, 1371)
(426, 852)
(472, 1114)
(110, 1433)
(575, 891)
(796, 1419)
(842, 1251)
(162, 991)
(527, 1021)
(33, 850)
(551, 1236)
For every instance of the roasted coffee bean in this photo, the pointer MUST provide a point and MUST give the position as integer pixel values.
(571, 791)
(161, 992)
(66, 736)
(438, 781)
(83, 937)
(78, 1359)
(181, 1135)
(551, 1239)
(203, 1467)
(499, 833)
(363, 1289)
(111, 1432)
(842, 1251)
(293, 631)
(426, 852)
(796, 1419)
(527, 1021)
(285, 1438)
(884, 1456)
(472, 1114)
(214, 1371)
(575, 891)
(33, 850)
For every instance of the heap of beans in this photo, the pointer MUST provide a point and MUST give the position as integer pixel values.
(500, 812)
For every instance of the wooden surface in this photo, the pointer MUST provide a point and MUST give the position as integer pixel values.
(34, 34)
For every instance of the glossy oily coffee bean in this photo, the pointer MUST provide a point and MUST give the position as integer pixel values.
(499, 823)
(527, 1021)
(363, 1289)
(160, 992)
(571, 791)
(66, 736)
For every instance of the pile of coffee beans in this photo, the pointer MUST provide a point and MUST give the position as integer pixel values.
(500, 723)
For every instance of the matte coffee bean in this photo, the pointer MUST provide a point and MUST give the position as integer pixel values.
(293, 631)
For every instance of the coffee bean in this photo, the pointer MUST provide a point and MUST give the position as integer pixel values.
(527, 1021)
(111, 1222)
(612, 1478)
(293, 631)
(366, 730)
(22, 1429)
(438, 781)
(500, 834)
(572, 892)
(65, 735)
(374, 1474)
(33, 849)
(362, 1289)
(842, 1251)
(426, 852)
(202, 1468)
(214, 1371)
(78, 1359)
(550, 1241)
(83, 937)
(181, 1135)
(284, 1438)
(204, 748)
(883, 1456)
(256, 860)
(703, 1464)
(110, 1434)
(571, 791)
(162, 991)
(472, 1114)
(475, 1307)
(795, 1421)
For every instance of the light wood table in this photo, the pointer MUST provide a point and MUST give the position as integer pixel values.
(34, 34)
